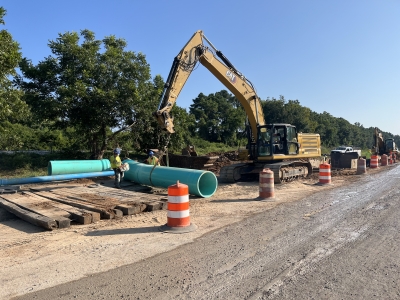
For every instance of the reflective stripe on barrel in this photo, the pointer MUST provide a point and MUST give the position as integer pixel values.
(390, 158)
(267, 188)
(374, 162)
(325, 173)
(178, 205)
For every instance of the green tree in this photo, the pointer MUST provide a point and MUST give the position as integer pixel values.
(146, 134)
(94, 86)
(184, 124)
(326, 128)
(344, 132)
(12, 108)
(298, 115)
(274, 110)
(219, 118)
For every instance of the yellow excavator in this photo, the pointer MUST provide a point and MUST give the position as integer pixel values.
(278, 147)
(384, 146)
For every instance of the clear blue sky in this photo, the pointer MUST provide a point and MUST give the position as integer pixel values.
(339, 56)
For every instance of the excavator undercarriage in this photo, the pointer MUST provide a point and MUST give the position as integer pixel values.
(284, 171)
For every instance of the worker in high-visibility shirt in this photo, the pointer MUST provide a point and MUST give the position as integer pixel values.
(116, 163)
(152, 160)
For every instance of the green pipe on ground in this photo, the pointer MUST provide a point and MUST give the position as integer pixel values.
(59, 167)
(201, 183)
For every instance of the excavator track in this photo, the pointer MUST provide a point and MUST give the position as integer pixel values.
(284, 171)
(231, 173)
(289, 170)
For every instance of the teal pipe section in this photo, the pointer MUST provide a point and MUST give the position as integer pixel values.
(200, 183)
(38, 179)
(58, 167)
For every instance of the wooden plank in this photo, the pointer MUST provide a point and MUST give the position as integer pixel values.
(128, 196)
(78, 215)
(156, 205)
(118, 213)
(110, 192)
(113, 192)
(41, 206)
(95, 216)
(108, 205)
(124, 198)
(208, 165)
(129, 209)
(103, 194)
(35, 219)
(121, 195)
(80, 204)
(105, 213)
(110, 195)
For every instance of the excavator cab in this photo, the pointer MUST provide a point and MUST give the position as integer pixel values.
(277, 140)
(390, 145)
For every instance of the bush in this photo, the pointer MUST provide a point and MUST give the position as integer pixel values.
(33, 164)
(203, 147)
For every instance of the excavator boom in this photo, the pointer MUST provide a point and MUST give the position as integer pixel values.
(199, 49)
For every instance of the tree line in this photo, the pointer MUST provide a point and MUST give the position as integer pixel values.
(93, 95)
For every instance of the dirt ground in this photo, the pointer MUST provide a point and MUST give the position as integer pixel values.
(33, 259)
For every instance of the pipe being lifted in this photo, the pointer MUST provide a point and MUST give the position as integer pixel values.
(38, 179)
(58, 167)
(201, 183)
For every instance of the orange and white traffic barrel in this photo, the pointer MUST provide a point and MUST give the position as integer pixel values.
(384, 160)
(266, 188)
(361, 166)
(374, 162)
(325, 173)
(178, 215)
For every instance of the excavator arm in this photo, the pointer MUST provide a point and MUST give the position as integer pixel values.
(379, 145)
(196, 51)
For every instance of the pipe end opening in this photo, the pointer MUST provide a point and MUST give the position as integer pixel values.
(207, 184)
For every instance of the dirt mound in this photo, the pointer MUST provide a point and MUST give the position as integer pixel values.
(343, 172)
(231, 155)
(224, 159)
(334, 173)
(218, 165)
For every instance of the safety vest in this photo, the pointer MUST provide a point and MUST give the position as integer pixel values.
(152, 161)
(115, 162)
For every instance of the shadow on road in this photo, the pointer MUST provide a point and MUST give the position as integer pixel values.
(124, 231)
(21, 225)
(235, 200)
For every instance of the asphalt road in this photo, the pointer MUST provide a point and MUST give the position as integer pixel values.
(339, 244)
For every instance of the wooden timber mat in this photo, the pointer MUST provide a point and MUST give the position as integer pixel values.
(60, 206)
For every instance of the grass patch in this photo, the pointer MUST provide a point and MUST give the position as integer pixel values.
(204, 147)
(22, 164)
(23, 173)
